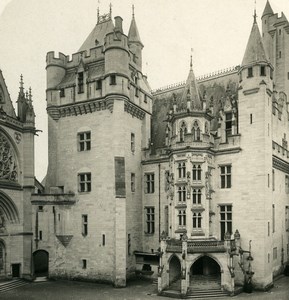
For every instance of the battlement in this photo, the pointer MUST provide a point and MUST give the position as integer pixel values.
(201, 78)
(277, 20)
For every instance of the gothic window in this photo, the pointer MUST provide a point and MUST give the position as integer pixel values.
(84, 182)
(197, 172)
(250, 72)
(225, 220)
(149, 183)
(183, 131)
(132, 182)
(182, 218)
(182, 194)
(84, 141)
(228, 121)
(150, 220)
(226, 176)
(196, 131)
(80, 83)
(197, 196)
(84, 225)
(8, 165)
(197, 221)
(182, 170)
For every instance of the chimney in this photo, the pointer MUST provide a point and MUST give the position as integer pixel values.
(118, 24)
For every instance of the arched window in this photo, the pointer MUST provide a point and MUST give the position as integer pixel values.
(197, 221)
(197, 196)
(182, 170)
(182, 218)
(196, 131)
(197, 172)
(183, 131)
(182, 194)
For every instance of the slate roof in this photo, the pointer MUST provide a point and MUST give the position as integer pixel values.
(133, 34)
(267, 10)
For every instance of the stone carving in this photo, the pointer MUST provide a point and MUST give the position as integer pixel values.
(207, 185)
(172, 186)
(8, 165)
(188, 185)
(17, 136)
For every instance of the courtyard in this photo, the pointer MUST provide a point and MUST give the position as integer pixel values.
(139, 289)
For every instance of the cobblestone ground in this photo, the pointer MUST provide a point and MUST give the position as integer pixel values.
(136, 290)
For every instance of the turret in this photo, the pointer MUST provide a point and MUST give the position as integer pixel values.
(267, 38)
(134, 42)
(21, 103)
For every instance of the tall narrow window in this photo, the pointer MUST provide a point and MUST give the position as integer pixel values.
(80, 82)
(287, 219)
(262, 71)
(84, 264)
(84, 141)
(112, 80)
(183, 131)
(287, 184)
(182, 194)
(273, 218)
(196, 131)
(229, 122)
(132, 182)
(197, 172)
(128, 244)
(197, 221)
(250, 72)
(182, 169)
(150, 220)
(62, 92)
(225, 177)
(251, 118)
(40, 235)
(273, 180)
(225, 220)
(84, 182)
(132, 142)
(182, 218)
(149, 183)
(98, 84)
(166, 219)
(84, 219)
(197, 196)
(103, 240)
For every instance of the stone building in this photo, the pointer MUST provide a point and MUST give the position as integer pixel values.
(187, 183)
(17, 182)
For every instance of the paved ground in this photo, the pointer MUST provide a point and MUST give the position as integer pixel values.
(136, 290)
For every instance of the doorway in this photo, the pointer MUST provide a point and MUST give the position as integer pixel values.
(15, 270)
(40, 262)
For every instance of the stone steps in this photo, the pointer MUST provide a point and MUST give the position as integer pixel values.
(12, 284)
(40, 279)
(206, 293)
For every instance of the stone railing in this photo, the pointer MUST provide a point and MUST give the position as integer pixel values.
(174, 245)
(206, 246)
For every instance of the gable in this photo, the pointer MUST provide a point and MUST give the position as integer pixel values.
(5, 101)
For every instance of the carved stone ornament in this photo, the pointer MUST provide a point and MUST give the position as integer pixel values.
(2, 222)
(17, 136)
(8, 165)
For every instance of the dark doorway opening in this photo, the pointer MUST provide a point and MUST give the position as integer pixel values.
(40, 261)
(175, 273)
(15, 270)
(205, 265)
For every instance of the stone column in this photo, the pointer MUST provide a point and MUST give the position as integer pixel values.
(162, 268)
(184, 282)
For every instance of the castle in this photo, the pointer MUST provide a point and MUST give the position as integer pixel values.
(182, 183)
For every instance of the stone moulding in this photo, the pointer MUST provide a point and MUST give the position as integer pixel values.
(64, 239)
(280, 164)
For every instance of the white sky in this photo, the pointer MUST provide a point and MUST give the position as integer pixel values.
(217, 30)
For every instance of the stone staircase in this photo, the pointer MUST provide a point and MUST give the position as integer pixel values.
(6, 286)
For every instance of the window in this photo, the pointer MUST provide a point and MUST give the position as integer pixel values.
(40, 235)
(287, 184)
(196, 132)
(132, 182)
(250, 72)
(197, 221)
(84, 219)
(80, 83)
(288, 75)
(145, 98)
(84, 264)
(182, 169)
(40, 208)
(268, 228)
(197, 173)
(273, 218)
(182, 193)
(136, 92)
(251, 118)
(274, 253)
(226, 177)
(280, 54)
(84, 182)
(150, 220)
(62, 93)
(150, 183)
(128, 244)
(182, 218)
(166, 219)
(229, 122)
(225, 220)
(262, 71)
(197, 196)
(287, 219)
(271, 73)
(103, 240)
(112, 80)
(183, 131)
(84, 141)
(98, 85)
(273, 180)
(280, 31)
(132, 142)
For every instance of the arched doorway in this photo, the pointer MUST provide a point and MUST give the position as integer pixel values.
(205, 273)
(40, 262)
(175, 273)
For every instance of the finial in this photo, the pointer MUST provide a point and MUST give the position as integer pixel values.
(255, 15)
(110, 9)
(30, 94)
(26, 94)
(21, 82)
(133, 11)
(191, 63)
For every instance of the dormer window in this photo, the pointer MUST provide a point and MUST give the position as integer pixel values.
(250, 72)
(80, 83)
(112, 80)
(262, 71)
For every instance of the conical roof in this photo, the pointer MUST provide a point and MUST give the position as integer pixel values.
(97, 35)
(133, 35)
(267, 10)
(255, 51)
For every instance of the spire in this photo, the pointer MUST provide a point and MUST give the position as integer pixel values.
(133, 35)
(255, 51)
(255, 14)
(267, 10)
(21, 84)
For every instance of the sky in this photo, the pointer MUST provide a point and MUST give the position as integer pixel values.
(216, 30)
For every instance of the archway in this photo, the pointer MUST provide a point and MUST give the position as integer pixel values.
(205, 273)
(40, 262)
(174, 273)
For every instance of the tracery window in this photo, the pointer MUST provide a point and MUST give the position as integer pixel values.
(182, 194)
(197, 172)
(183, 131)
(196, 131)
(8, 164)
(197, 196)
(197, 221)
(182, 218)
(182, 170)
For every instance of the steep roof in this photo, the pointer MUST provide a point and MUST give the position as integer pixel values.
(5, 100)
(97, 35)
(267, 10)
(133, 35)
(255, 51)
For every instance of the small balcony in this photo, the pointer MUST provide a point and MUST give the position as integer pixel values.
(206, 246)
